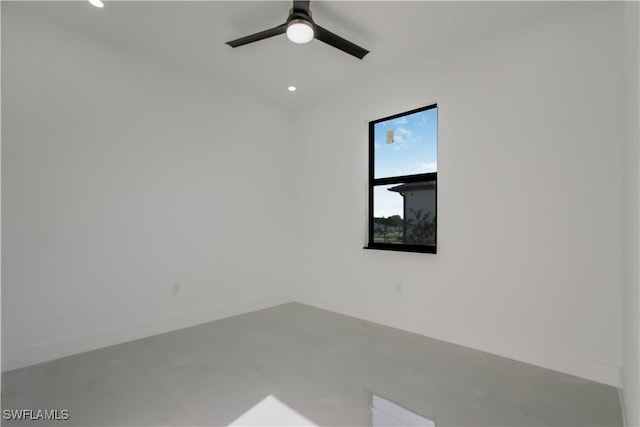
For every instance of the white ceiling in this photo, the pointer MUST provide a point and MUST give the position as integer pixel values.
(192, 34)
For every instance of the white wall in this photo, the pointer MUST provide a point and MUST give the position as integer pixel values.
(631, 290)
(121, 177)
(530, 203)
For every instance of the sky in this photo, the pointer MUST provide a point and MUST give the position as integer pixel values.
(413, 149)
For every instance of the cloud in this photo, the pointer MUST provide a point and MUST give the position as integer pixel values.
(402, 137)
(404, 131)
(400, 121)
(425, 167)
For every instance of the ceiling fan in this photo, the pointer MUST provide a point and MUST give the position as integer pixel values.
(300, 28)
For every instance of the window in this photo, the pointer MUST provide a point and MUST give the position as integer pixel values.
(403, 172)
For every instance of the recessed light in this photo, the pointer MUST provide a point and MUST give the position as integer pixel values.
(97, 3)
(292, 88)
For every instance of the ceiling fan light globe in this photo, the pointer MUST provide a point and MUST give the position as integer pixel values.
(300, 31)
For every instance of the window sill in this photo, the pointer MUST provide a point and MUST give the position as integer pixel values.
(402, 248)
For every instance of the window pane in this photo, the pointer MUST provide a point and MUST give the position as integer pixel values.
(387, 215)
(405, 213)
(406, 145)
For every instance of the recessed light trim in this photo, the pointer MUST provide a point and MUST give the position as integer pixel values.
(292, 88)
(96, 3)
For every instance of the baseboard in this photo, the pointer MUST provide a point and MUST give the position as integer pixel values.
(623, 407)
(86, 342)
(566, 363)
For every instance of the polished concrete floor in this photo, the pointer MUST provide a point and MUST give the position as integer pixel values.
(294, 365)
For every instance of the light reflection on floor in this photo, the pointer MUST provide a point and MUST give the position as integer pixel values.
(271, 412)
(386, 413)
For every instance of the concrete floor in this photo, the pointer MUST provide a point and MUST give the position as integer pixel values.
(295, 364)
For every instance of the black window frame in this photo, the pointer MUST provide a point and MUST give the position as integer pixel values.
(404, 179)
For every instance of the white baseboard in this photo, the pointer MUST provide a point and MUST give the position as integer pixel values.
(566, 363)
(623, 407)
(86, 342)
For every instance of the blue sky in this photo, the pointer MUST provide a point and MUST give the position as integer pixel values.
(414, 150)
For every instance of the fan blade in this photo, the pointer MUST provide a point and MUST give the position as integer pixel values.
(302, 6)
(280, 29)
(338, 42)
